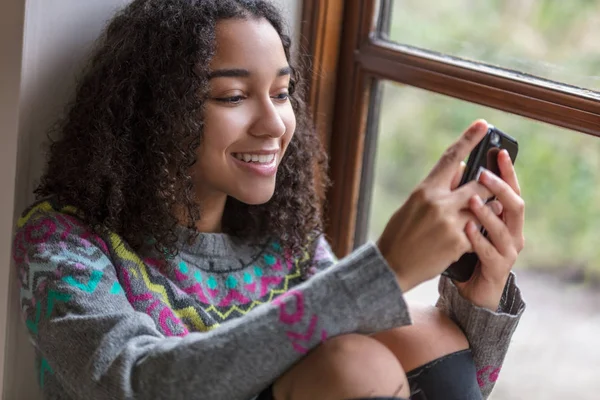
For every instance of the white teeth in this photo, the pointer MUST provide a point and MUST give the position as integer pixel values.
(256, 158)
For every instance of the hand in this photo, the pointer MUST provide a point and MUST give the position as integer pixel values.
(494, 205)
(428, 232)
(505, 232)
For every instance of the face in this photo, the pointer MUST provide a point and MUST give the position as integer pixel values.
(249, 120)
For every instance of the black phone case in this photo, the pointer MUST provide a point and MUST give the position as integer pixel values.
(485, 154)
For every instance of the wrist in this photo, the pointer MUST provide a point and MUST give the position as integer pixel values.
(488, 303)
(487, 296)
(404, 281)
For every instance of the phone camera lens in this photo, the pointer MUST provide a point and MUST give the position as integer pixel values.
(495, 138)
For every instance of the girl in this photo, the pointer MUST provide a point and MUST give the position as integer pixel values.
(176, 249)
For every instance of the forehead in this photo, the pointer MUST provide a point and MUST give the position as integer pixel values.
(246, 43)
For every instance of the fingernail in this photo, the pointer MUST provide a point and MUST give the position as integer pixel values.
(495, 208)
(471, 227)
(480, 172)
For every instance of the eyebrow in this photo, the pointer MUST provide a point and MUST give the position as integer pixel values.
(242, 73)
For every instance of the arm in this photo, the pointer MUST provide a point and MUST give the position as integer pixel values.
(95, 345)
(489, 333)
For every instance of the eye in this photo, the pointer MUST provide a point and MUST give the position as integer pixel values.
(282, 97)
(233, 100)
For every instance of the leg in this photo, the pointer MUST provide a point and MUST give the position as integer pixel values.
(435, 353)
(344, 367)
(432, 335)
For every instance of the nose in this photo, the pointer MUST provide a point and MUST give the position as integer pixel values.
(268, 121)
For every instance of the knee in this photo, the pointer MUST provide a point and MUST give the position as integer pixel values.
(437, 329)
(347, 366)
(432, 335)
(353, 355)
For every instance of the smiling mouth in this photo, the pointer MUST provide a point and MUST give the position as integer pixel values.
(255, 158)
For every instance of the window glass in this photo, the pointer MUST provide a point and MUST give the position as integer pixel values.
(552, 39)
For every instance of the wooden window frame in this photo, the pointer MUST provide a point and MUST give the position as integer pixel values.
(350, 56)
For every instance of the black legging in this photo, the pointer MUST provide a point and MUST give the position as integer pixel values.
(452, 377)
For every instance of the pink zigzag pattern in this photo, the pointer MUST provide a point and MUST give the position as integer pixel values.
(197, 290)
(277, 266)
(492, 377)
(166, 314)
(69, 222)
(298, 338)
(38, 228)
(132, 297)
(180, 276)
(233, 295)
(266, 281)
(296, 316)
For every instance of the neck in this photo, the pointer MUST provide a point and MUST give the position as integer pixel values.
(212, 208)
(211, 213)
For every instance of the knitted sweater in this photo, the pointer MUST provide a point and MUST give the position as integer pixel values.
(221, 320)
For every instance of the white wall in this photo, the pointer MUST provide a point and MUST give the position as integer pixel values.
(292, 9)
(11, 44)
(42, 46)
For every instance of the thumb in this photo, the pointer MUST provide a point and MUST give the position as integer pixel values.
(444, 171)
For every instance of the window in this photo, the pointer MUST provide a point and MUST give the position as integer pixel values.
(358, 44)
(408, 77)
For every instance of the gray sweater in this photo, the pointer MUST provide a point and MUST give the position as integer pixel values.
(221, 320)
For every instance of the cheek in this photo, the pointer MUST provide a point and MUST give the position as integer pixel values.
(222, 128)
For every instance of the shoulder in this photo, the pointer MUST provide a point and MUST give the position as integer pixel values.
(47, 226)
(47, 210)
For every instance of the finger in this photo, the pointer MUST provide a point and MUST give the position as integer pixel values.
(485, 250)
(497, 230)
(462, 195)
(514, 206)
(495, 206)
(458, 176)
(448, 165)
(466, 215)
(507, 171)
(464, 244)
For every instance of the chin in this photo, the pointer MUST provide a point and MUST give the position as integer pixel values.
(255, 196)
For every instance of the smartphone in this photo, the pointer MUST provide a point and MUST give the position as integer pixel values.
(485, 155)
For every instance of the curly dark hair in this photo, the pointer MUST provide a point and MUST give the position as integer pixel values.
(129, 137)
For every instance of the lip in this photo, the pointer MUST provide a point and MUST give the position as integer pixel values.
(264, 170)
(261, 152)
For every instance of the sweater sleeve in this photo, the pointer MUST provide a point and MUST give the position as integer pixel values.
(95, 345)
(489, 333)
